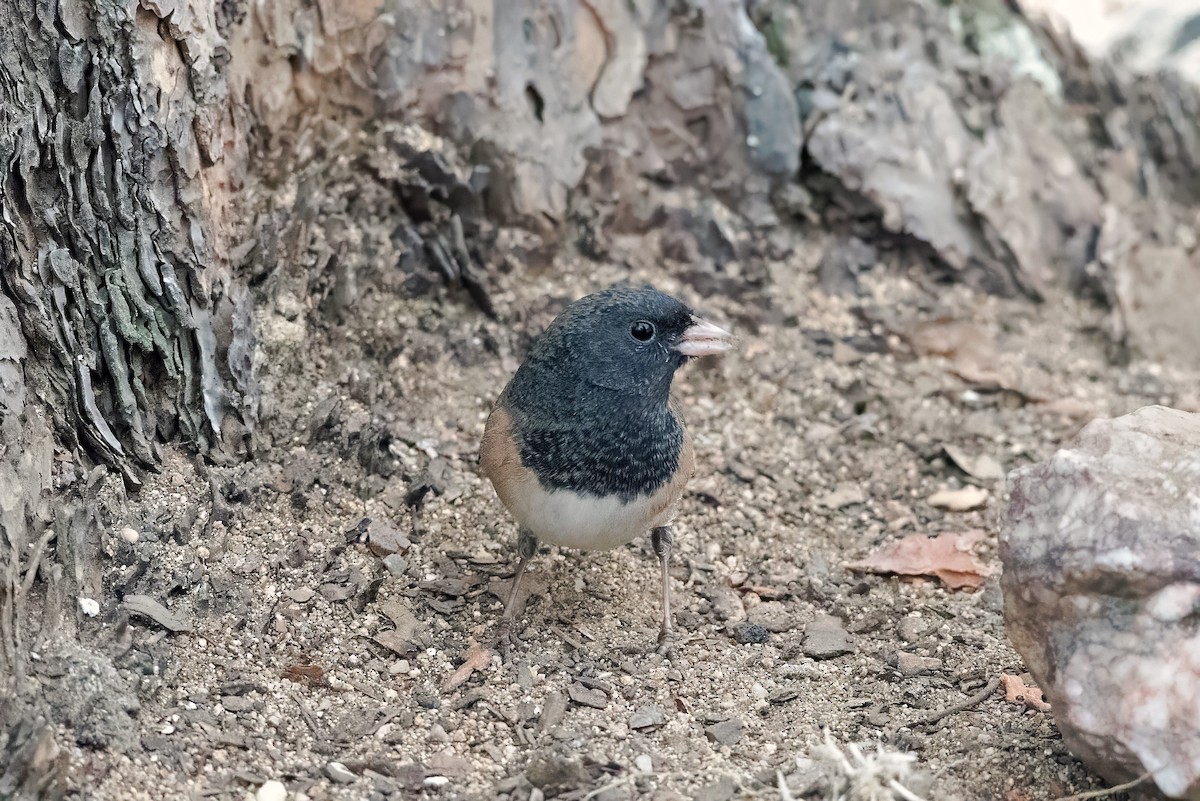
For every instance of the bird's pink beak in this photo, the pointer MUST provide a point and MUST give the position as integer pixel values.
(702, 338)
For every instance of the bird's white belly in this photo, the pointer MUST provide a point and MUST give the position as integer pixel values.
(563, 517)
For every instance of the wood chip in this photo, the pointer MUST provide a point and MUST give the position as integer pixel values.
(477, 657)
(1018, 692)
(146, 606)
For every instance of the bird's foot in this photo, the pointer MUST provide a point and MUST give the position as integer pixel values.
(506, 638)
(666, 644)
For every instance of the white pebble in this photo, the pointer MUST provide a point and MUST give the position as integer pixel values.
(436, 781)
(644, 763)
(129, 535)
(202, 552)
(89, 607)
(271, 790)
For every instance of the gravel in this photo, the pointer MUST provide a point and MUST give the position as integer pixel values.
(804, 463)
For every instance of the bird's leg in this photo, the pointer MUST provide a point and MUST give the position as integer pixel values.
(660, 539)
(527, 546)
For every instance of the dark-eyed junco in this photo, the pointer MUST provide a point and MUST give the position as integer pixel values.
(585, 447)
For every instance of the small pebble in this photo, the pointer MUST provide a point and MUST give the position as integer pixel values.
(647, 717)
(202, 553)
(339, 773)
(644, 763)
(89, 606)
(750, 634)
(524, 676)
(588, 696)
(826, 638)
(129, 535)
(727, 732)
(772, 616)
(272, 790)
(912, 664)
(911, 629)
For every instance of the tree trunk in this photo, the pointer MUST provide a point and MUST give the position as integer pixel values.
(168, 171)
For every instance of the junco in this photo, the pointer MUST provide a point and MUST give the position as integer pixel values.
(585, 446)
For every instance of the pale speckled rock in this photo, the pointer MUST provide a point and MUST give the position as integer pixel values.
(1101, 552)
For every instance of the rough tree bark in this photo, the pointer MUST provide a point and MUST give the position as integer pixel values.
(170, 169)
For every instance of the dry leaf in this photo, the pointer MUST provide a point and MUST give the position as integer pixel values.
(983, 467)
(959, 500)
(476, 658)
(947, 556)
(973, 357)
(304, 674)
(1017, 692)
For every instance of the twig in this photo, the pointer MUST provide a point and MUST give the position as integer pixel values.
(961, 706)
(611, 785)
(304, 713)
(35, 560)
(902, 791)
(785, 792)
(1120, 788)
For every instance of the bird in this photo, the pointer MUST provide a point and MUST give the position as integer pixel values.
(586, 447)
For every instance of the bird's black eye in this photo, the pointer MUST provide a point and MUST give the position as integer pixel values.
(642, 331)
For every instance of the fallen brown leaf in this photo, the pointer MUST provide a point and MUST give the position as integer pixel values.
(476, 658)
(947, 556)
(1018, 692)
(974, 358)
(304, 674)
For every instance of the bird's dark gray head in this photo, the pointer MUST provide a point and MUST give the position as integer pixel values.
(627, 340)
(589, 405)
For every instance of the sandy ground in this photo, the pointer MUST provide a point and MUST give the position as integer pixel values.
(821, 438)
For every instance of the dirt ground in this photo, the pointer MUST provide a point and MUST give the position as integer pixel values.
(334, 585)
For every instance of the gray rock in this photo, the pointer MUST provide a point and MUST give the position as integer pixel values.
(552, 771)
(395, 564)
(911, 629)
(553, 709)
(720, 790)
(772, 616)
(726, 602)
(588, 696)
(727, 732)
(750, 634)
(337, 772)
(647, 717)
(383, 540)
(1101, 553)
(237, 703)
(913, 664)
(826, 638)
